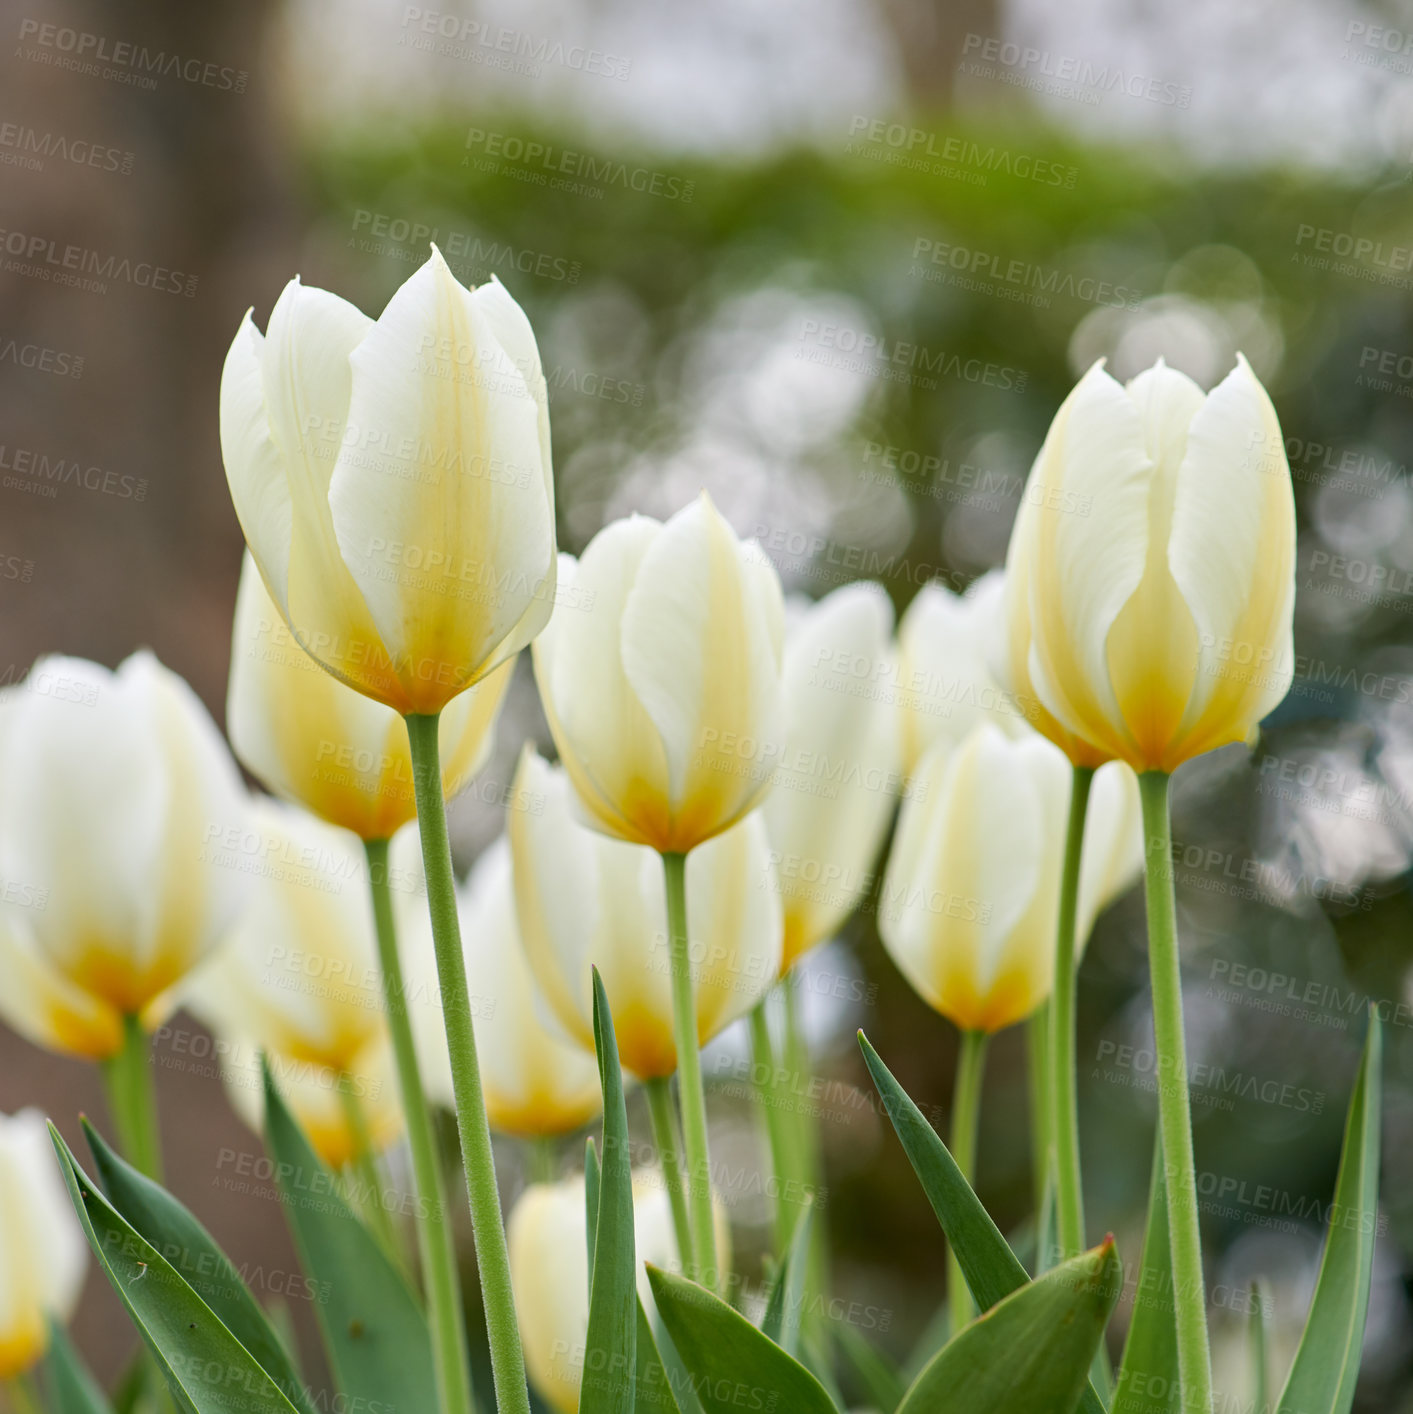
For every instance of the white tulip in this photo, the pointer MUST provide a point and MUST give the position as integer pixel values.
(393, 481)
(118, 794)
(43, 1252)
(585, 900)
(660, 677)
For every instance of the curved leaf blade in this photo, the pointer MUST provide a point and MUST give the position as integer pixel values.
(781, 1321)
(171, 1228)
(733, 1366)
(1326, 1367)
(1029, 1352)
(374, 1330)
(206, 1368)
(992, 1270)
(610, 1349)
(70, 1387)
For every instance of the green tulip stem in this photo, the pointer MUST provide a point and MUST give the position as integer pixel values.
(488, 1231)
(132, 1098)
(669, 1154)
(1038, 1092)
(436, 1244)
(1064, 1104)
(23, 1394)
(776, 1121)
(1174, 1112)
(966, 1115)
(702, 1264)
(544, 1163)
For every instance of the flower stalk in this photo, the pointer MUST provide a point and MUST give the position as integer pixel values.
(966, 1114)
(435, 1242)
(507, 1358)
(133, 1100)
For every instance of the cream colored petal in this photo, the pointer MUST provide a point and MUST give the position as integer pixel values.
(1087, 543)
(606, 740)
(444, 521)
(1232, 554)
(700, 641)
(834, 793)
(43, 1005)
(255, 468)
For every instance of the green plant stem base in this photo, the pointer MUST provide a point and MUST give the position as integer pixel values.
(132, 1097)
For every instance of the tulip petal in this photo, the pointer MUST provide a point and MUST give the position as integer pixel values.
(44, 1006)
(1232, 554)
(701, 644)
(446, 524)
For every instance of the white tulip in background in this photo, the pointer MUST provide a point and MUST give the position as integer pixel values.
(312, 740)
(393, 481)
(946, 684)
(586, 900)
(971, 894)
(549, 1263)
(43, 1252)
(660, 677)
(298, 978)
(537, 1080)
(834, 793)
(1155, 546)
(118, 793)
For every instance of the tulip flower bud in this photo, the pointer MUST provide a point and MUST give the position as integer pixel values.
(547, 1232)
(584, 900)
(314, 741)
(43, 1254)
(298, 978)
(971, 897)
(833, 795)
(393, 481)
(1157, 535)
(119, 799)
(537, 1080)
(945, 676)
(660, 677)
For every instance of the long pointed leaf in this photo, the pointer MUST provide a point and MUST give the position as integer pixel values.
(992, 1270)
(71, 1388)
(882, 1384)
(1148, 1375)
(610, 1349)
(732, 1365)
(781, 1321)
(176, 1233)
(1326, 1367)
(207, 1370)
(1029, 1352)
(374, 1330)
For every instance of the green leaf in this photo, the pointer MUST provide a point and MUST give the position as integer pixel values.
(592, 1175)
(1148, 1374)
(652, 1388)
(881, 1383)
(206, 1368)
(1326, 1367)
(781, 1321)
(610, 1353)
(733, 1365)
(1029, 1352)
(71, 1389)
(184, 1242)
(992, 1270)
(374, 1330)
(1256, 1344)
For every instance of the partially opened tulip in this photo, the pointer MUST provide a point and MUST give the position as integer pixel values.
(313, 740)
(550, 1265)
(118, 795)
(43, 1254)
(946, 682)
(298, 978)
(834, 793)
(584, 901)
(538, 1082)
(393, 480)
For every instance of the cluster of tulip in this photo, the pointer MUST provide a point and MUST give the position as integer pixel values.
(728, 771)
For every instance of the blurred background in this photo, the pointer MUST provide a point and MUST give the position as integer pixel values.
(837, 262)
